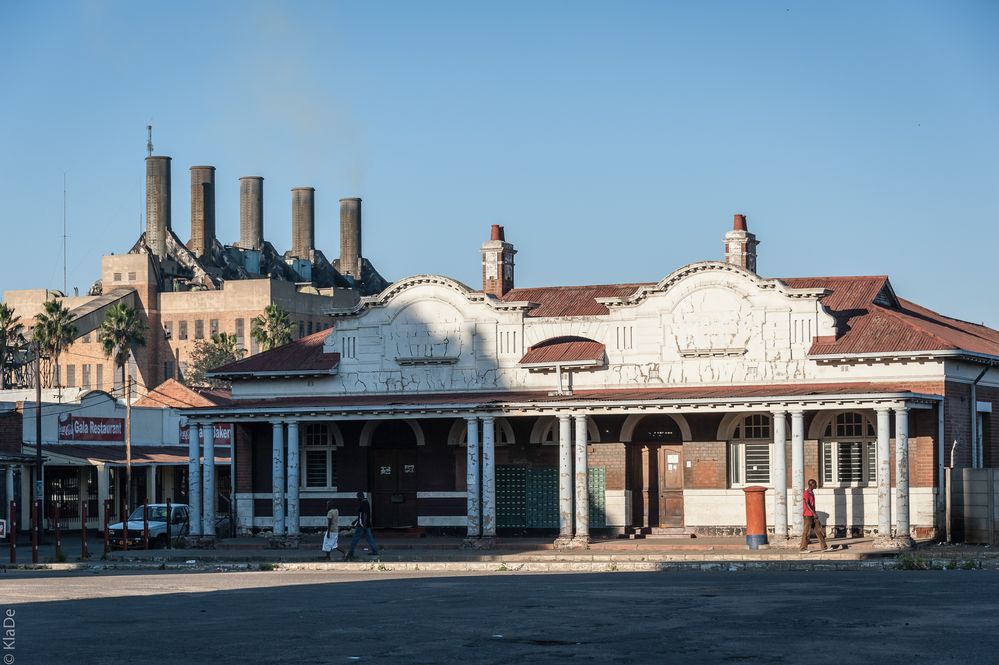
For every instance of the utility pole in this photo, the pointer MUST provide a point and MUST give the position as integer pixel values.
(128, 441)
(39, 469)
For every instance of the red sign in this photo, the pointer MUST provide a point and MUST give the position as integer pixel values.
(86, 428)
(223, 433)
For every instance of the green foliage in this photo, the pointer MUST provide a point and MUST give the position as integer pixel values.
(911, 562)
(267, 566)
(11, 339)
(210, 354)
(53, 333)
(120, 334)
(272, 328)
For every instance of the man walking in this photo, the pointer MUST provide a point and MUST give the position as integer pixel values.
(362, 525)
(811, 519)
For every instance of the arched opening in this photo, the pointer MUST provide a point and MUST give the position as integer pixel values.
(655, 471)
(392, 461)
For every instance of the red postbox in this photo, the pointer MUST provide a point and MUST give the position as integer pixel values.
(756, 516)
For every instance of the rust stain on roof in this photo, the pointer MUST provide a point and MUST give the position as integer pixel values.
(571, 300)
(302, 355)
(563, 350)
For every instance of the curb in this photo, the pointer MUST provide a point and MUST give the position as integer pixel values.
(700, 565)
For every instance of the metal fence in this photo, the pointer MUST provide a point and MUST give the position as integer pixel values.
(973, 506)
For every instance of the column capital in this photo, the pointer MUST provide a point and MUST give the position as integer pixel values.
(883, 408)
(901, 408)
(564, 417)
(580, 416)
(488, 419)
(777, 413)
(471, 418)
(796, 412)
(276, 421)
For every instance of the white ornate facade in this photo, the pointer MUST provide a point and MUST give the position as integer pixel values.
(672, 395)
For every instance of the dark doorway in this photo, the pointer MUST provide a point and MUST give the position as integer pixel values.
(655, 473)
(392, 472)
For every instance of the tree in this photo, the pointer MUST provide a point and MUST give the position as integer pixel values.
(120, 334)
(54, 332)
(220, 350)
(11, 339)
(272, 328)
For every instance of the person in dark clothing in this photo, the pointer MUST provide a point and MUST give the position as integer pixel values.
(362, 526)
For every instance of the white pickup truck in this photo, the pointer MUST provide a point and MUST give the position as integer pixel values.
(179, 524)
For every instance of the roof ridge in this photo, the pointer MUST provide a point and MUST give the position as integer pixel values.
(974, 333)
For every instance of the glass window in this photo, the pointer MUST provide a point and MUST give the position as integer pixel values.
(182, 333)
(199, 329)
(849, 450)
(750, 452)
(320, 466)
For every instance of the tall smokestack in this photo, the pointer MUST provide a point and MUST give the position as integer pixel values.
(202, 210)
(157, 203)
(251, 212)
(303, 221)
(350, 237)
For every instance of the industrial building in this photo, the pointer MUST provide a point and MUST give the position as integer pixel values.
(188, 291)
(634, 409)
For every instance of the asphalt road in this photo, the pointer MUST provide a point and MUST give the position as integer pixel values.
(316, 617)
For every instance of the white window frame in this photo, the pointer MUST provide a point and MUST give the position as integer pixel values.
(312, 443)
(833, 439)
(737, 452)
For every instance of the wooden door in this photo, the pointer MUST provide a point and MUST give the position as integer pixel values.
(671, 486)
(393, 487)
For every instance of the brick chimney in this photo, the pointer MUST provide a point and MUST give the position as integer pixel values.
(497, 263)
(740, 245)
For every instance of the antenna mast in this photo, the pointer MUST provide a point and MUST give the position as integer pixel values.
(65, 288)
(149, 143)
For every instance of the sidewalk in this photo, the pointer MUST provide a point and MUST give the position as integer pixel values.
(507, 554)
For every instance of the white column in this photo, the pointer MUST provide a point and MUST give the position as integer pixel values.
(797, 469)
(565, 476)
(472, 477)
(103, 488)
(488, 477)
(294, 470)
(277, 478)
(150, 483)
(902, 474)
(884, 473)
(208, 497)
(780, 475)
(582, 484)
(194, 478)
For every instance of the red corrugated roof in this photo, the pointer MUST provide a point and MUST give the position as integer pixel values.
(868, 327)
(621, 394)
(303, 355)
(173, 394)
(571, 300)
(563, 350)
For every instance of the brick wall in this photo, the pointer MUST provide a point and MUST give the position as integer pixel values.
(11, 432)
(957, 425)
(611, 456)
(244, 459)
(991, 439)
(708, 465)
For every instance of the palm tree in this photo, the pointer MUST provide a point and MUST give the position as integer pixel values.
(272, 328)
(11, 339)
(54, 332)
(120, 333)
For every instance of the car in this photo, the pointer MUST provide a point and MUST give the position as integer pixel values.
(179, 525)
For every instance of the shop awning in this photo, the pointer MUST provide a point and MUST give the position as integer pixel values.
(115, 454)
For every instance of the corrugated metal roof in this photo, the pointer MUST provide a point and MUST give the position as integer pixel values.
(173, 394)
(571, 300)
(864, 326)
(622, 394)
(563, 350)
(140, 454)
(303, 355)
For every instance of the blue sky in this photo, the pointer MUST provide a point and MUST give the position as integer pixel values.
(613, 140)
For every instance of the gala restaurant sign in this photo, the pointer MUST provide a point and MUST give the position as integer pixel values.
(87, 428)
